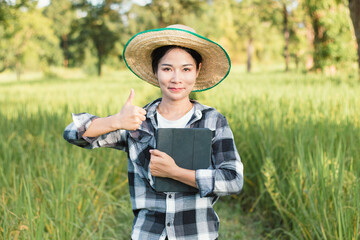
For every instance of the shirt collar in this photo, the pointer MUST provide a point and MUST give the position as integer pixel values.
(151, 111)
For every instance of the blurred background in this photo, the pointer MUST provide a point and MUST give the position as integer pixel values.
(305, 35)
(291, 98)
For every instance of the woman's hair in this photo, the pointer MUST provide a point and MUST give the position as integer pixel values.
(158, 53)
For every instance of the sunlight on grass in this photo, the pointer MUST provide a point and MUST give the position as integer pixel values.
(298, 136)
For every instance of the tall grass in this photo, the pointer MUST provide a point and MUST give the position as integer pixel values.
(298, 136)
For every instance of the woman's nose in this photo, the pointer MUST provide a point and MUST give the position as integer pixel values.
(176, 77)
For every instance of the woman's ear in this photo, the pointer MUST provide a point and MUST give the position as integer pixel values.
(198, 70)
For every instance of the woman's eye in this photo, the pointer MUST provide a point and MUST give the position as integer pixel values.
(166, 69)
(187, 69)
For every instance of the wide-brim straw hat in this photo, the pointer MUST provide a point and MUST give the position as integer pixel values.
(215, 64)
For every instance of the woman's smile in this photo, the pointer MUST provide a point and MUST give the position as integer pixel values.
(175, 89)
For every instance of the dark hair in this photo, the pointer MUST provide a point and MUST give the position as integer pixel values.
(159, 52)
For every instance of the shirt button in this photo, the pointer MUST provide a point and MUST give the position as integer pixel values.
(170, 196)
(168, 224)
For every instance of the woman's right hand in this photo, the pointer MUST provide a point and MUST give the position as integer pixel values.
(130, 117)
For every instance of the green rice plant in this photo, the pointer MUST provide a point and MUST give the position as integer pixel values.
(299, 141)
(50, 189)
(298, 136)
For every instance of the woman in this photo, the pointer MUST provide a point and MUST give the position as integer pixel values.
(179, 61)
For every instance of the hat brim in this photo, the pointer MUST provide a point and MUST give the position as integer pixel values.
(215, 64)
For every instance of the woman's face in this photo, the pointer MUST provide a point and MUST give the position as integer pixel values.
(177, 74)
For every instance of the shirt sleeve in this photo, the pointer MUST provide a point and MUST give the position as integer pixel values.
(227, 175)
(74, 132)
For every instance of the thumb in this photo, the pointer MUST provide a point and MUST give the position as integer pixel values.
(131, 97)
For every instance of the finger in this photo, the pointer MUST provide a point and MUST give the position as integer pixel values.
(142, 111)
(156, 152)
(136, 127)
(142, 118)
(153, 160)
(138, 124)
(131, 97)
(138, 119)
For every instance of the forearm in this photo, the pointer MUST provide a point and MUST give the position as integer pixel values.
(162, 165)
(185, 176)
(99, 127)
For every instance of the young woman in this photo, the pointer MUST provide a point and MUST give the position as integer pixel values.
(179, 61)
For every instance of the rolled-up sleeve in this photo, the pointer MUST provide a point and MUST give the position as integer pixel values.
(226, 176)
(74, 132)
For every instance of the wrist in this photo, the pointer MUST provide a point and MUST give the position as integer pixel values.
(178, 173)
(115, 124)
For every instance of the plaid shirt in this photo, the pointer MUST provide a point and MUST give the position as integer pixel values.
(180, 216)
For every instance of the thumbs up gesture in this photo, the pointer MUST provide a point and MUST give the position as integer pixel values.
(130, 116)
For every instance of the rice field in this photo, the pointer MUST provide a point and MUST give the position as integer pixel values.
(298, 135)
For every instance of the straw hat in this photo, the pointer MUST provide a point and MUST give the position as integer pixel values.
(215, 64)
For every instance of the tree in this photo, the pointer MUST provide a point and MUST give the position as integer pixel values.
(332, 34)
(7, 5)
(29, 36)
(171, 12)
(62, 15)
(286, 34)
(101, 24)
(4, 12)
(250, 21)
(298, 44)
(354, 6)
(286, 8)
(283, 15)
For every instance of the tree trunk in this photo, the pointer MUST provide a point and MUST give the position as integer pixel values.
(66, 50)
(250, 50)
(18, 70)
(99, 63)
(310, 40)
(318, 33)
(320, 38)
(354, 6)
(287, 38)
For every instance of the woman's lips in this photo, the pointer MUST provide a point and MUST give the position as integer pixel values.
(175, 89)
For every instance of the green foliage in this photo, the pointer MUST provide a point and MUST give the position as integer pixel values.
(168, 13)
(101, 25)
(4, 12)
(29, 42)
(62, 15)
(8, 7)
(252, 31)
(332, 33)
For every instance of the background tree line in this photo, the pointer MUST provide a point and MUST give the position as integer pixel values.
(303, 34)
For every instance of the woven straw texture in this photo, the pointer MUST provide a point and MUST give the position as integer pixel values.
(214, 67)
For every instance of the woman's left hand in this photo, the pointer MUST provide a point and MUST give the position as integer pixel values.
(161, 164)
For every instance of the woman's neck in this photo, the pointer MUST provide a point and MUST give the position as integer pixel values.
(173, 110)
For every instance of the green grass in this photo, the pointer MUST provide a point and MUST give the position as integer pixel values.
(298, 136)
